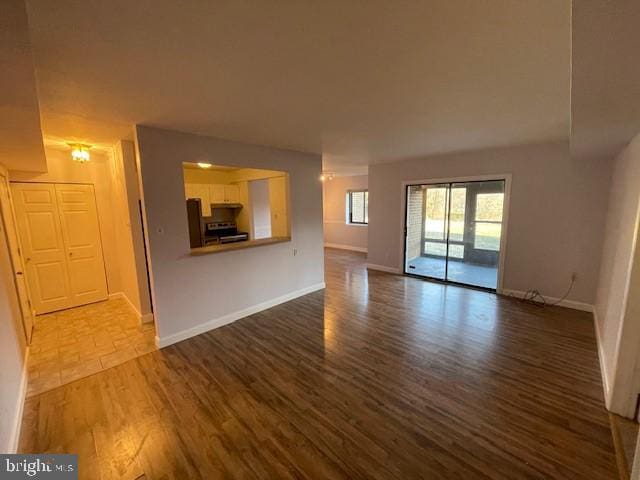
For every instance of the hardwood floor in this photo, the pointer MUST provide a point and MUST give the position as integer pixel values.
(379, 376)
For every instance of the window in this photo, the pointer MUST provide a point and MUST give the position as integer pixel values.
(358, 203)
(488, 224)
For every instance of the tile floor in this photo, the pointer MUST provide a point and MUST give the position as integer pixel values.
(467, 273)
(75, 343)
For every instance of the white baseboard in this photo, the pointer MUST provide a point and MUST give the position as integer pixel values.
(346, 247)
(383, 268)
(232, 317)
(146, 318)
(585, 307)
(601, 358)
(22, 396)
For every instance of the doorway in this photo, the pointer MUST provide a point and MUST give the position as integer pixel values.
(8, 224)
(454, 231)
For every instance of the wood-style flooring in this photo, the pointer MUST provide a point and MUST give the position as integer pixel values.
(378, 376)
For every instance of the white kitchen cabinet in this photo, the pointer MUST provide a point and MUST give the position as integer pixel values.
(201, 191)
(224, 193)
(217, 193)
(231, 194)
(212, 193)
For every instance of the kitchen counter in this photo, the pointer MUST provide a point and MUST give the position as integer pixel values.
(224, 247)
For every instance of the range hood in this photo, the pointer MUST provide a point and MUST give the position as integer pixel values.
(226, 205)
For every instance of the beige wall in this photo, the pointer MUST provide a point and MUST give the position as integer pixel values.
(128, 230)
(12, 351)
(337, 232)
(618, 297)
(557, 212)
(279, 206)
(192, 294)
(199, 175)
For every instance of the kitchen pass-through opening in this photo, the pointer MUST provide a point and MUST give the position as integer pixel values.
(453, 231)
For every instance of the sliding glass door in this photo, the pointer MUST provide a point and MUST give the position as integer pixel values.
(453, 231)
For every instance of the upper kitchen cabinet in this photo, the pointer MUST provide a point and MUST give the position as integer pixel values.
(208, 194)
(201, 191)
(219, 193)
(231, 194)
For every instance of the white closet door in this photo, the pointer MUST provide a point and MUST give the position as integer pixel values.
(44, 253)
(81, 238)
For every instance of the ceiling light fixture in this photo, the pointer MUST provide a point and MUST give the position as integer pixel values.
(327, 176)
(80, 152)
(204, 165)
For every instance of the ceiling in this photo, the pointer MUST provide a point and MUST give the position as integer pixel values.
(358, 81)
(605, 87)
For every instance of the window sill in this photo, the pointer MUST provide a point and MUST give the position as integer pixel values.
(225, 247)
(357, 224)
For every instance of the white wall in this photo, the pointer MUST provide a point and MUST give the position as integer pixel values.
(192, 294)
(12, 352)
(337, 232)
(557, 212)
(618, 296)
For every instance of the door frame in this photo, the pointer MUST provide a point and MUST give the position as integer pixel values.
(506, 177)
(11, 230)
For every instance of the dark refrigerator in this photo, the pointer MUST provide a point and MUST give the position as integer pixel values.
(194, 214)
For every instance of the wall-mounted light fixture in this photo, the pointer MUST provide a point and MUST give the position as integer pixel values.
(204, 165)
(80, 152)
(327, 176)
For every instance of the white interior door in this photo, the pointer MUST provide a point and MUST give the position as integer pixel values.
(8, 221)
(60, 237)
(81, 239)
(43, 249)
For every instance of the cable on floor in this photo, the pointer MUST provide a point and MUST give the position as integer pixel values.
(536, 298)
